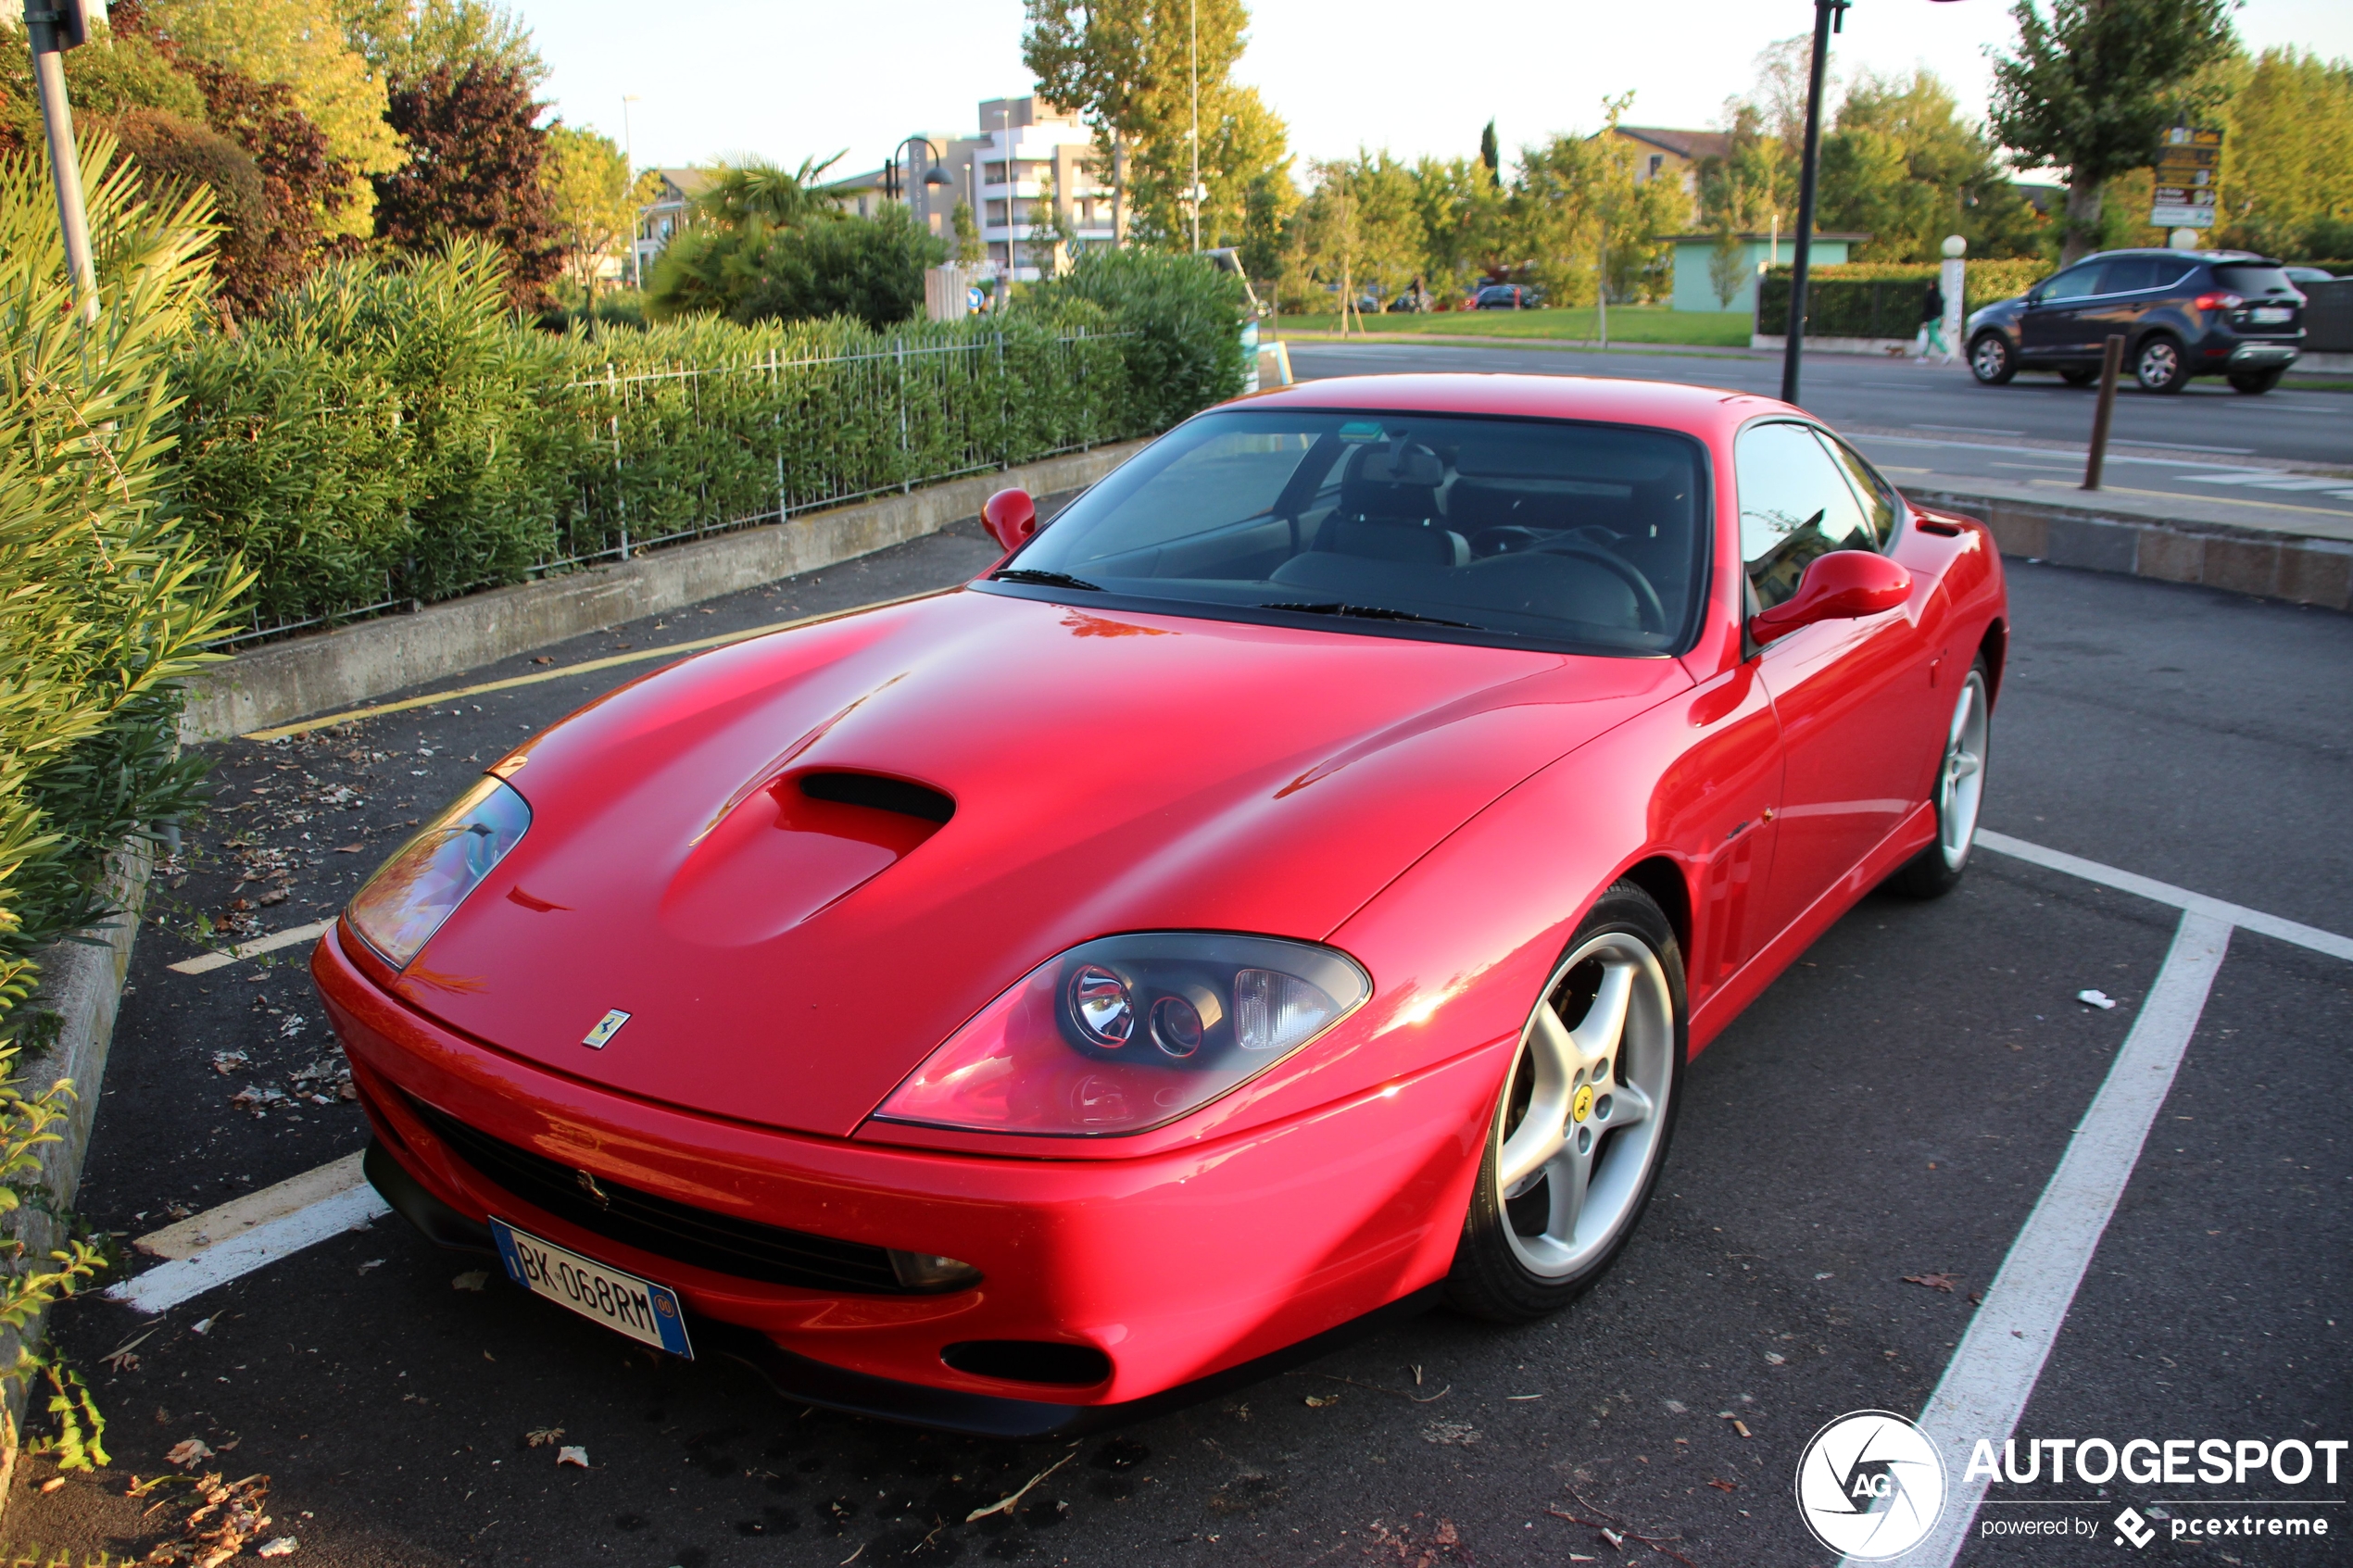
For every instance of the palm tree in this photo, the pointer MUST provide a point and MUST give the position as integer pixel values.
(756, 191)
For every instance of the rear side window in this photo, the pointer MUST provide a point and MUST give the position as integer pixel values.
(1795, 505)
(2254, 281)
(2129, 274)
(2075, 282)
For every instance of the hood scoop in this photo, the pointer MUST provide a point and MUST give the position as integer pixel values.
(787, 850)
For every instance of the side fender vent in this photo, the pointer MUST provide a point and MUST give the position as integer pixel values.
(882, 794)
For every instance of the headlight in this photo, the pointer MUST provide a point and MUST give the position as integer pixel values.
(1126, 1033)
(398, 909)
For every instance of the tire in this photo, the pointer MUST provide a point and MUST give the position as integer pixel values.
(1561, 1117)
(1959, 793)
(1992, 360)
(2161, 365)
(2076, 375)
(2257, 382)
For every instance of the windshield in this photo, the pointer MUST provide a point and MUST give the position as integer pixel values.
(1526, 531)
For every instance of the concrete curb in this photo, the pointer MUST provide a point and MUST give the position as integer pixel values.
(2239, 560)
(337, 669)
(82, 982)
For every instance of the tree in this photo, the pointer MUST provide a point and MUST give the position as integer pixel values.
(407, 38)
(1089, 57)
(300, 46)
(1466, 222)
(588, 183)
(474, 168)
(868, 268)
(1587, 223)
(1491, 154)
(2287, 173)
(1903, 165)
(1359, 230)
(968, 247)
(1728, 270)
(2091, 90)
(302, 185)
(1266, 208)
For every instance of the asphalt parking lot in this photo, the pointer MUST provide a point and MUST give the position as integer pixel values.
(1888, 1114)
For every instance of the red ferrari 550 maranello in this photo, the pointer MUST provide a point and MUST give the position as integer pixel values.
(1285, 891)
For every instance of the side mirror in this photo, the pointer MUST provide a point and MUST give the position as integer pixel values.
(1011, 518)
(1841, 586)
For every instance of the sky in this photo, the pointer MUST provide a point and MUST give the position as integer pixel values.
(790, 79)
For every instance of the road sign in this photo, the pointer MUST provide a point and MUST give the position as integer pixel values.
(2189, 170)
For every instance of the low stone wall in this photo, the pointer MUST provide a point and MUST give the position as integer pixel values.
(82, 984)
(333, 669)
(2275, 566)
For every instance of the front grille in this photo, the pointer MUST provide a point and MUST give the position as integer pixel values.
(664, 1227)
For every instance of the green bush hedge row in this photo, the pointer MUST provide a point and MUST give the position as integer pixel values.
(1882, 299)
(389, 434)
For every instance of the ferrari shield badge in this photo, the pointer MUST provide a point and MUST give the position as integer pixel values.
(607, 1027)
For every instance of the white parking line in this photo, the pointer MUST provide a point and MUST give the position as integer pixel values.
(2182, 898)
(1991, 1376)
(205, 963)
(164, 1288)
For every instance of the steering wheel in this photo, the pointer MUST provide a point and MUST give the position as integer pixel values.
(1653, 613)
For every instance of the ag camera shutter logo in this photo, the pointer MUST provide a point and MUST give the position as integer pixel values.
(1870, 1485)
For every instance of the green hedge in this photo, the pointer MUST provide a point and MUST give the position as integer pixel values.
(1882, 299)
(388, 435)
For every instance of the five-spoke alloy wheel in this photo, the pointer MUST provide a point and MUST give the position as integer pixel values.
(1581, 1126)
(1959, 793)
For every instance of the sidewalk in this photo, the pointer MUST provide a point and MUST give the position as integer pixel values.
(2275, 550)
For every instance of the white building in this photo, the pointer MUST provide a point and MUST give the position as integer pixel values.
(1027, 160)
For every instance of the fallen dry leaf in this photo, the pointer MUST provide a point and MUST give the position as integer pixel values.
(52, 1484)
(540, 1436)
(572, 1454)
(283, 1547)
(191, 1450)
(349, 848)
(1724, 1486)
(1317, 1401)
(543, 659)
(472, 1279)
(1934, 1282)
(1451, 1434)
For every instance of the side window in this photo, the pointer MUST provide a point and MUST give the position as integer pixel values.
(2075, 282)
(1877, 496)
(1795, 505)
(2131, 274)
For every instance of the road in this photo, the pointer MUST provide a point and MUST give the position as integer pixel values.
(1889, 1112)
(2207, 442)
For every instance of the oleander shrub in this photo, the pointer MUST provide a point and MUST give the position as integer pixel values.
(388, 432)
(106, 601)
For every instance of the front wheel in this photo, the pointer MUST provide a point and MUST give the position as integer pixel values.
(1991, 361)
(1581, 1125)
(2256, 382)
(1960, 792)
(2160, 366)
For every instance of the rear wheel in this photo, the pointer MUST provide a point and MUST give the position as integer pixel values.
(1960, 791)
(2161, 366)
(1991, 361)
(2256, 382)
(1581, 1126)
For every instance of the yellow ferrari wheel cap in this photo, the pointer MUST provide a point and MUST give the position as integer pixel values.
(1582, 1105)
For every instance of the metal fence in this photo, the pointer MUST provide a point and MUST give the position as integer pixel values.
(659, 455)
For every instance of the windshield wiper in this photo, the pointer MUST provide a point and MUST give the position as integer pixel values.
(1043, 579)
(1368, 612)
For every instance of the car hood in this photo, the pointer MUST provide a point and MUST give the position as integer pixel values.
(787, 961)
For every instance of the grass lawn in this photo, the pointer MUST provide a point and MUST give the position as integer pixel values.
(1628, 323)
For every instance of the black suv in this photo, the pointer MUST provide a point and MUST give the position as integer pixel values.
(2181, 313)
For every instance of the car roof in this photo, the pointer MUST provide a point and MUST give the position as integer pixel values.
(2225, 256)
(1666, 405)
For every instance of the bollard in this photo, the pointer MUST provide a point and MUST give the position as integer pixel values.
(2110, 363)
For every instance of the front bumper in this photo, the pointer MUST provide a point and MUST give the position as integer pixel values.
(1181, 1268)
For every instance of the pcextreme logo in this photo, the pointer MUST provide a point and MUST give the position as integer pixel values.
(1870, 1485)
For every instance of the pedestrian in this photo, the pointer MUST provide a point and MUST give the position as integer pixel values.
(1932, 333)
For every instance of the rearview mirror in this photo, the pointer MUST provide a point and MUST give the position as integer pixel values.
(1011, 518)
(1841, 586)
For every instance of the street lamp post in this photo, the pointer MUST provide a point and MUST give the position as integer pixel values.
(636, 213)
(52, 29)
(934, 176)
(1829, 17)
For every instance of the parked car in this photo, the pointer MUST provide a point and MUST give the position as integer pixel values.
(1505, 296)
(2182, 314)
(1282, 892)
(2309, 274)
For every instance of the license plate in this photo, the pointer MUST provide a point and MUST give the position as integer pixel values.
(2267, 314)
(647, 1312)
